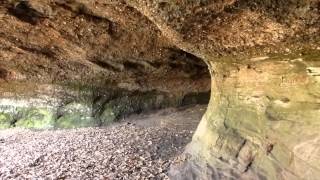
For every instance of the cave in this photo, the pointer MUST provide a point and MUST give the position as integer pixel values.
(89, 89)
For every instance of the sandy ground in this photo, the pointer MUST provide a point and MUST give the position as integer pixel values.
(139, 147)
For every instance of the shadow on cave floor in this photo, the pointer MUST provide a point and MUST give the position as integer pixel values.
(138, 147)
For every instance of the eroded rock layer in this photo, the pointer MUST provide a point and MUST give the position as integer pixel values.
(263, 55)
(88, 43)
(92, 59)
(262, 121)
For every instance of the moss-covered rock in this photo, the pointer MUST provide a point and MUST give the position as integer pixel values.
(87, 108)
(123, 106)
(6, 120)
(76, 115)
(75, 120)
(36, 118)
(110, 114)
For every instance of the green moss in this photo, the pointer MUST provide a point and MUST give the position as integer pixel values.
(6, 120)
(120, 107)
(76, 115)
(117, 108)
(109, 115)
(36, 119)
(77, 107)
(76, 120)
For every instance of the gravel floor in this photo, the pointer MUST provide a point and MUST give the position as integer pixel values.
(140, 147)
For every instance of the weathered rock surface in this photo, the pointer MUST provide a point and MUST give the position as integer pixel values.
(47, 106)
(263, 56)
(46, 45)
(92, 43)
(262, 121)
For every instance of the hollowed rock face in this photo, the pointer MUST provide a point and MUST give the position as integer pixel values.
(263, 55)
(263, 119)
(88, 64)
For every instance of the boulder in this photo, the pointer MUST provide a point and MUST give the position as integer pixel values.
(6, 120)
(36, 118)
(76, 115)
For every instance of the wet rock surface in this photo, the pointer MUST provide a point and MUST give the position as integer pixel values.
(139, 147)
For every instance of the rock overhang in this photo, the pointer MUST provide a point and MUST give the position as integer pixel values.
(263, 57)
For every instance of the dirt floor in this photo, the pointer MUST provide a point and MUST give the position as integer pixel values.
(138, 147)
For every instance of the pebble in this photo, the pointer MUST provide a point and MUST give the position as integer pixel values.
(121, 151)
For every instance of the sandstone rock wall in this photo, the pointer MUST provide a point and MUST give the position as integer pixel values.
(97, 43)
(263, 56)
(263, 119)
